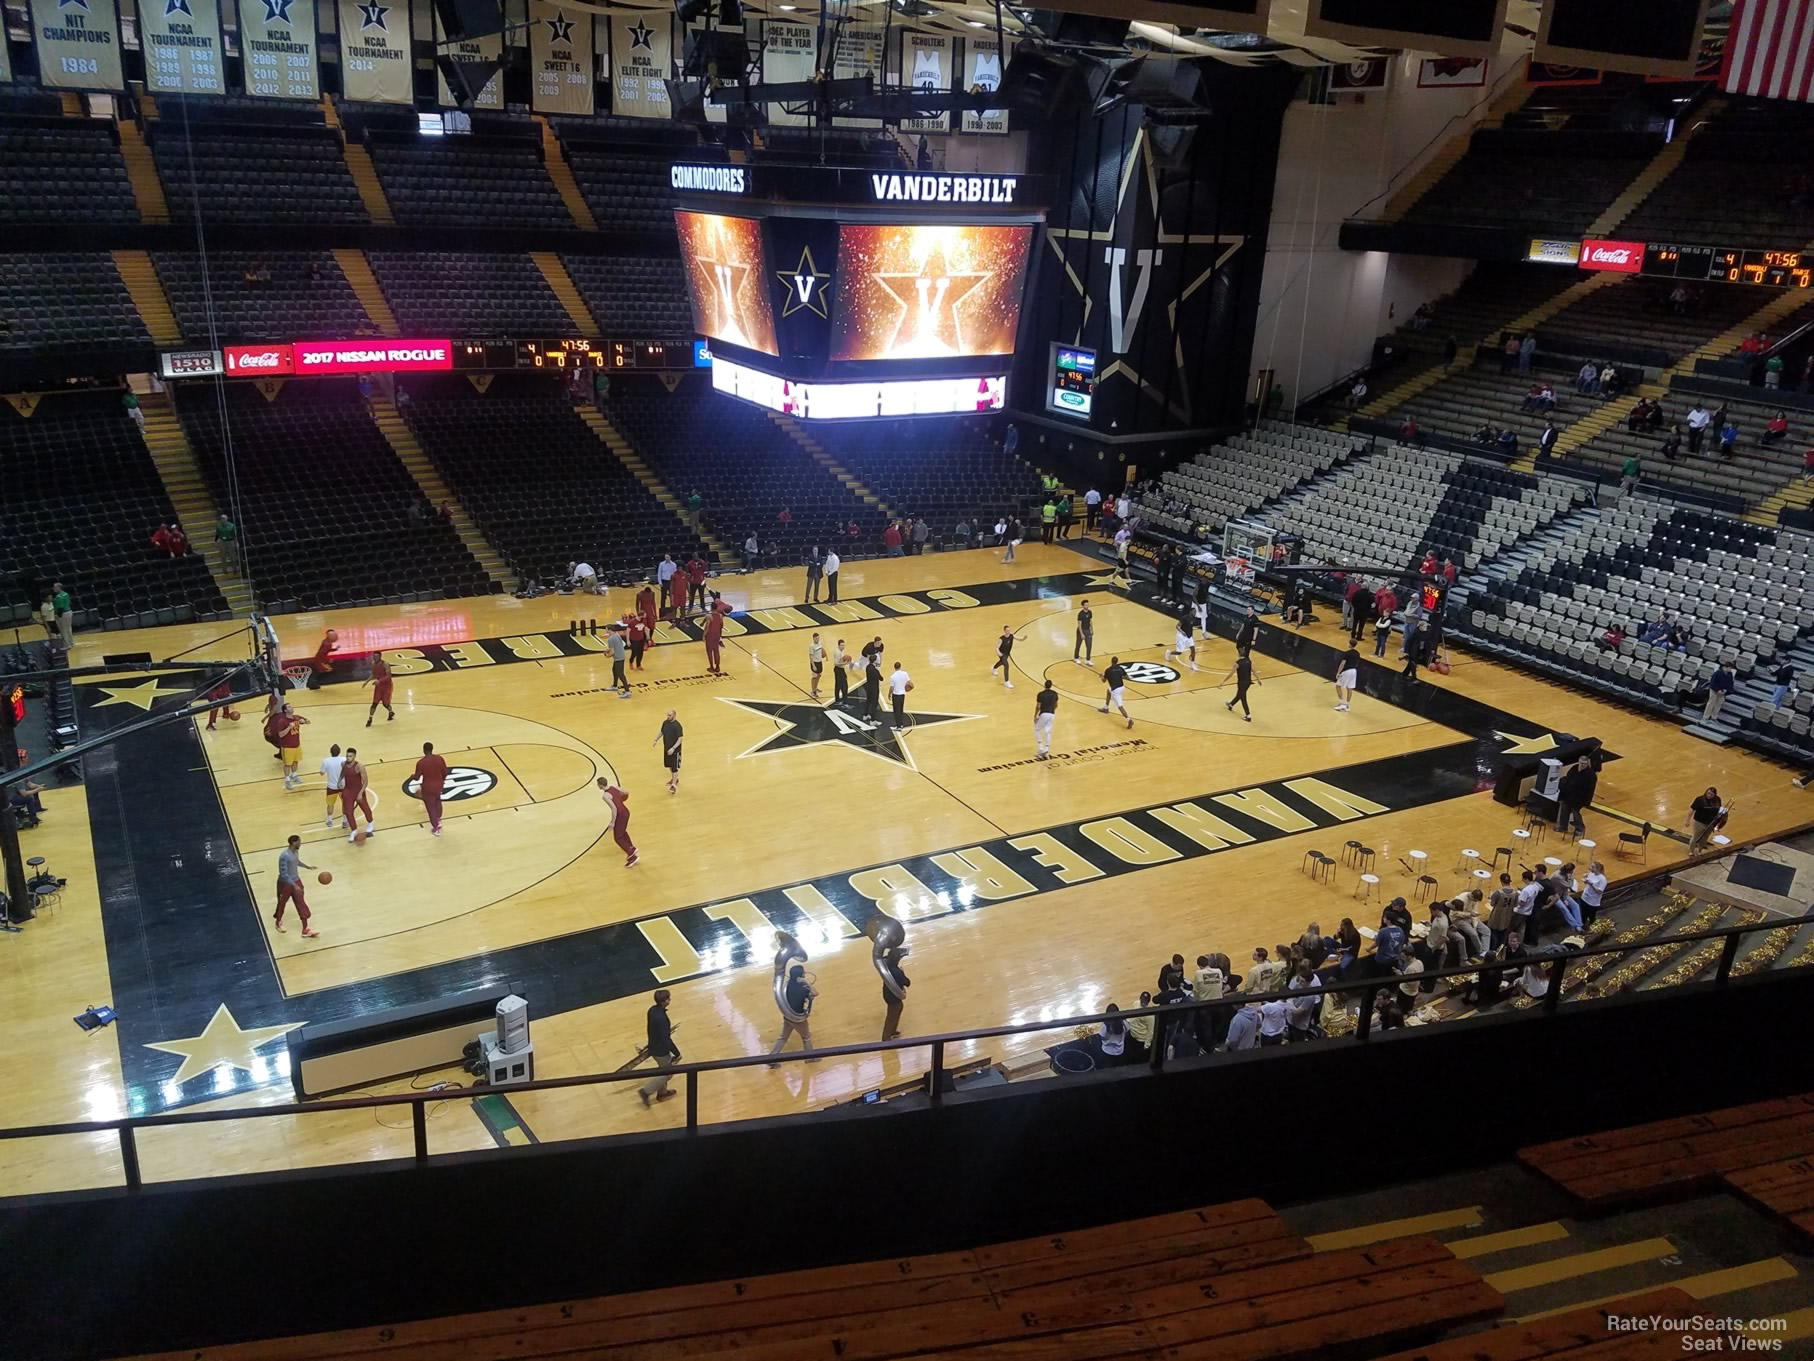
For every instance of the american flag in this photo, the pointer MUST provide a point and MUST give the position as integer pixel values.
(1770, 49)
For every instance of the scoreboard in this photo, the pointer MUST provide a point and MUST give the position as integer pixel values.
(567, 355)
(1072, 388)
(1719, 264)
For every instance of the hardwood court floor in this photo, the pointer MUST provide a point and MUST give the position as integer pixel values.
(1186, 833)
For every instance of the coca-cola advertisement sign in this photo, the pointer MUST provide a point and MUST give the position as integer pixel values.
(258, 361)
(1622, 257)
(375, 355)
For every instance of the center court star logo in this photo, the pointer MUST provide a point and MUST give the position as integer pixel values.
(372, 16)
(278, 11)
(141, 696)
(560, 28)
(640, 33)
(809, 725)
(223, 1042)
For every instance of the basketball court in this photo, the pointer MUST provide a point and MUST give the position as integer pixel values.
(1030, 889)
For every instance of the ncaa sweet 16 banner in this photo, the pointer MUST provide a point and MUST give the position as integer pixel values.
(926, 65)
(489, 48)
(789, 54)
(78, 44)
(277, 41)
(982, 71)
(560, 59)
(375, 63)
(181, 42)
(642, 57)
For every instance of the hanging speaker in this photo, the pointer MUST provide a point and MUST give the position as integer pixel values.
(470, 19)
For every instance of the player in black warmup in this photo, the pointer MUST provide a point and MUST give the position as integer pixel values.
(1086, 633)
(1248, 631)
(1187, 636)
(1242, 671)
(1116, 680)
(872, 688)
(669, 737)
(1004, 646)
(1045, 716)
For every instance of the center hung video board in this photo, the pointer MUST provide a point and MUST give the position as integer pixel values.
(727, 279)
(928, 290)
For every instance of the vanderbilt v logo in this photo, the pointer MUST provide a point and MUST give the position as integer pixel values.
(806, 285)
(1123, 324)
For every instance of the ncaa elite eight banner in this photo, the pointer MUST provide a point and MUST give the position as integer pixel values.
(181, 42)
(78, 44)
(278, 45)
(642, 57)
(375, 61)
(560, 59)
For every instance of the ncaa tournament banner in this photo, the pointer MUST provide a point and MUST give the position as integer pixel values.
(488, 48)
(925, 64)
(78, 44)
(375, 64)
(182, 47)
(859, 54)
(277, 45)
(560, 59)
(789, 53)
(982, 71)
(642, 57)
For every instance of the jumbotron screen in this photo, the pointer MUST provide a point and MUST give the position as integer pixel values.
(727, 279)
(928, 291)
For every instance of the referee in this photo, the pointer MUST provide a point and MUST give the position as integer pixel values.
(1085, 640)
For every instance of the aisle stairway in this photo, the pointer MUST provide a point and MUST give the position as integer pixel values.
(148, 297)
(428, 480)
(359, 166)
(820, 455)
(196, 511)
(1646, 181)
(554, 161)
(359, 277)
(141, 174)
(560, 283)
(612, 438)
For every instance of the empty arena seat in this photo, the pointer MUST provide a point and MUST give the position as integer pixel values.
(559, 496)
(1233, 479)
(1635, 314)
(324, 503)
(268, 295)
(55, 169)
(941, 469)
(257, 172)
(491, 179)
(1743, 179)
(1544, 182)
(634, 296)
(627, 189)
(747, 468)
(469, 293)
(82, 500)
(65, 301)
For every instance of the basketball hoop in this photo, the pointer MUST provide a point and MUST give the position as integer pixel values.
(298, 676)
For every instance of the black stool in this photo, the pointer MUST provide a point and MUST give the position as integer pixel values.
(1363, 857)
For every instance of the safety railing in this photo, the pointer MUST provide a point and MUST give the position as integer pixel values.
(1557, 966)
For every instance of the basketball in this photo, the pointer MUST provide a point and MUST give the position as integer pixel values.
(325, 877)
(233, 715)
(333, 635)
(359, 838)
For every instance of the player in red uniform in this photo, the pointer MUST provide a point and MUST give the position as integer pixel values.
(714, 632)
(431, 778)
(220, 692)
(330, 644)
(677, 593)
(619, 802)
(273, 720)
(695, 581)
(381, 690)
(352, 795)
(637, 633)
(645, 606)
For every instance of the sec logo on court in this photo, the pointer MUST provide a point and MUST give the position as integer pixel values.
(1150, 673)
(463, 782)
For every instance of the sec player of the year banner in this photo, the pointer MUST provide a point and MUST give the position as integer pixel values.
(642, 57)
(375, 64)
(277, 41)
(489, 48)
(789, 54)
(560, 59)
(181, 41)
(78, 44)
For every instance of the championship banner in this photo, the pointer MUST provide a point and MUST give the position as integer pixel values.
(925, 64)
(560, 59)
(182, 47)
(375, 65)
(789, 53)
(642, 57)
(859, 54)
(277, 44)
(78, 44)
(982, 71)
(489, 48)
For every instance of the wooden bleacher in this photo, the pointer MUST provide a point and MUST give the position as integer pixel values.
(1229, 1282)
(1763, 1151)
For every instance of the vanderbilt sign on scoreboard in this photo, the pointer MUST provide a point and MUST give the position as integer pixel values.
(78, 44)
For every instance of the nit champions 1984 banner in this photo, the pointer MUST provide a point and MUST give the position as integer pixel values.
(78, 44)
(278, 45)
(375, 62)
(181, 42)
(560, 59)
